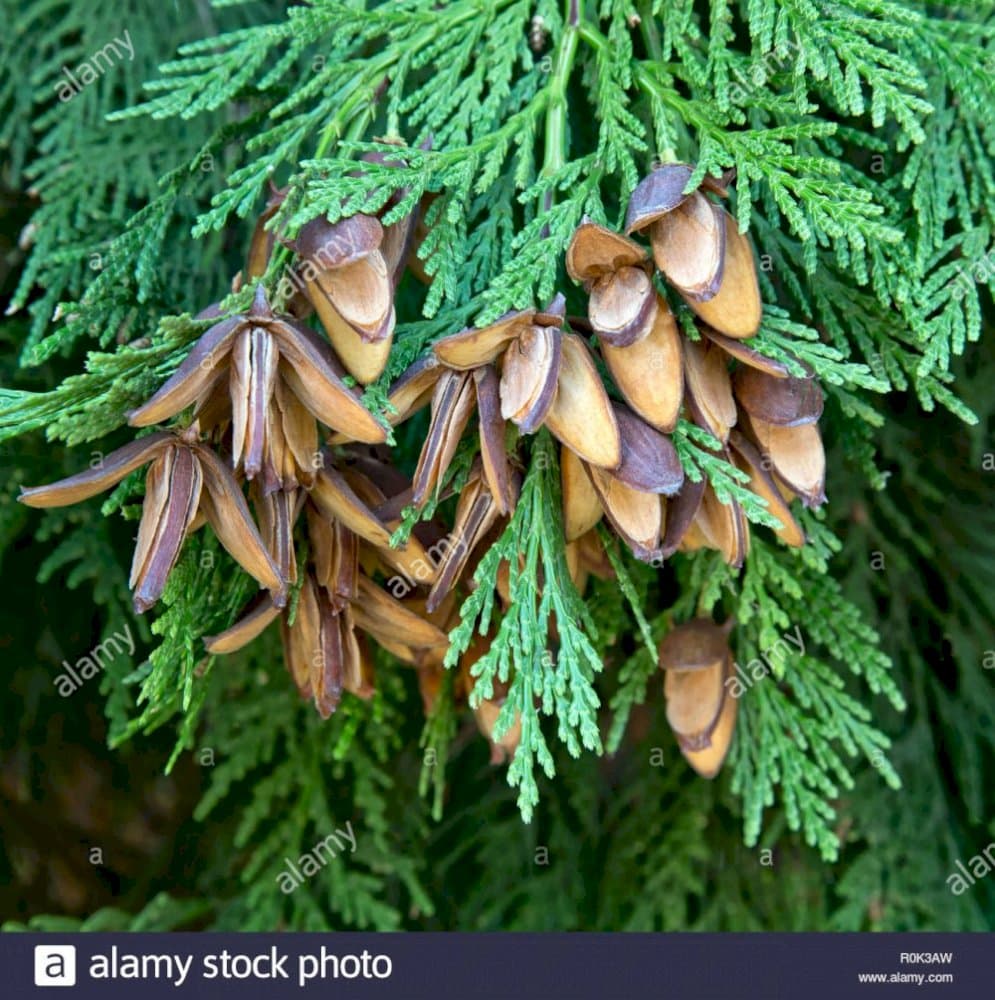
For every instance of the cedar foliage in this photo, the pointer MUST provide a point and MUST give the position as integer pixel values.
(861, 137)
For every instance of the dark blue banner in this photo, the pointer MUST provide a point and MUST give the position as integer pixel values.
(496, 966)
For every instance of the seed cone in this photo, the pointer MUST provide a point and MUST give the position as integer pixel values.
(186, 483)
(696, 661)
(270, 361)
(351, 286)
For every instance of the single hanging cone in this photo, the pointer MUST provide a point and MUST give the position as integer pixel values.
(697, 664)
(613, 270)
(698, 247)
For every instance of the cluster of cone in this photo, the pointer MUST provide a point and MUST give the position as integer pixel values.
(618, 461)
(272, 408)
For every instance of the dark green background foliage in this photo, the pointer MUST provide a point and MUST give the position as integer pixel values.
(863, 137)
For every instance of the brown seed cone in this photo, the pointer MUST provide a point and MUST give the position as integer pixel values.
(701, 711)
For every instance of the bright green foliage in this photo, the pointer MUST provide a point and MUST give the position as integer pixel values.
(861, 137)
